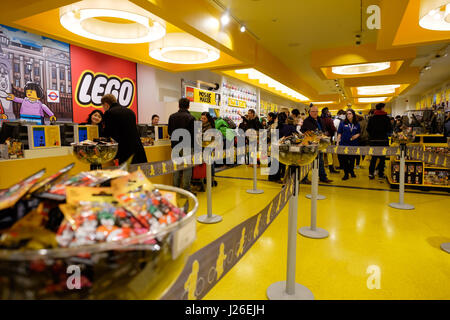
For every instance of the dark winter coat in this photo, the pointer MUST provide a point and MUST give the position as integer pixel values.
(120, 124)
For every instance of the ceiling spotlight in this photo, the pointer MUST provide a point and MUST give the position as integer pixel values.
(243, 29)
(225, 19)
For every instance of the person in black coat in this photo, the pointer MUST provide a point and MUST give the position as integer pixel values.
(251, 121)
(312, 123)
(182, 120)
(378, 128)
(120, 124)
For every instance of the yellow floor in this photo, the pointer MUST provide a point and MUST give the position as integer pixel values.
(364, 232)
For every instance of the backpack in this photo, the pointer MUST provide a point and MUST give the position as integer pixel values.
(230, 123)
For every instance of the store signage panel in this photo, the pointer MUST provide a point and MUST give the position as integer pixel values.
(53, 96)
(95, 74)
(202, 96)
(237, 103)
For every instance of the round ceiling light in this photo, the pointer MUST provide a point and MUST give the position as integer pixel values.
(182, 48)
(119, 25)
(370, 100)
(435, 15)
(361, 68)
(376, 90)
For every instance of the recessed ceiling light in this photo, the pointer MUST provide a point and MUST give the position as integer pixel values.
(183, 48)
(243, 28)
(254, 74)
(361, 68)
(370, 100)
(376, 90)
(434, 15)
(323, 102)
(111, 25)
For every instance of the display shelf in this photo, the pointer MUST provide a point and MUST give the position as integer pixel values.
(237, 99)
(420, 172)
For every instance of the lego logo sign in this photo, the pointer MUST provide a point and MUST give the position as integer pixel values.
(95, 74)
(93, 86)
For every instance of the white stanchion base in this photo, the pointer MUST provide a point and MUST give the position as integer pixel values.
(446, 247)
(209, 220)
(255, 191)
(401, 206)
(319, 233)
(319, 196)
(277, 291)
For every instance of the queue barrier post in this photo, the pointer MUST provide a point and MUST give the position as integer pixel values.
(313, 231)
(401, 204)
(289, 289)
(255, 190)
(209, 218)
(315, 181)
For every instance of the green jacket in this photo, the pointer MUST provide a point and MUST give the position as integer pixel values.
(223, 127)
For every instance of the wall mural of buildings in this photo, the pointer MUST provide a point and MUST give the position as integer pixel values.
(26, 58)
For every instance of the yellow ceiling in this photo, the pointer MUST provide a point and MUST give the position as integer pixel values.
(400, 19)
(47, 24)
(295, 42)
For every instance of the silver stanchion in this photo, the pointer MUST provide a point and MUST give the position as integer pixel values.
(289, 289)
(255, 190)
(313, 231)
(401, 204)
(446, 247)
(315, 180)
(210, 217)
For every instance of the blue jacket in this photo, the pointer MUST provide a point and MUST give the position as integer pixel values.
(348, 130)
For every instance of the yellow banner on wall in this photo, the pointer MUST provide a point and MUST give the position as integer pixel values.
(237, 103)
(203, 96)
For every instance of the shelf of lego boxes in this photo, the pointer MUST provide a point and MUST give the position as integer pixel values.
(418, 173)
(237, 99)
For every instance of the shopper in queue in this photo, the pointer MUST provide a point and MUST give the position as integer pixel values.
(313, 123)
(209, 123)
(363, 139)
(272, 118)
(155, 120)
(96, 118)
(348, 135)
(251, 121)
(378, 128)
(182, 119)
(285, 130)
(340, 116)
(120, 124)
(447, 125)
(329, 130)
